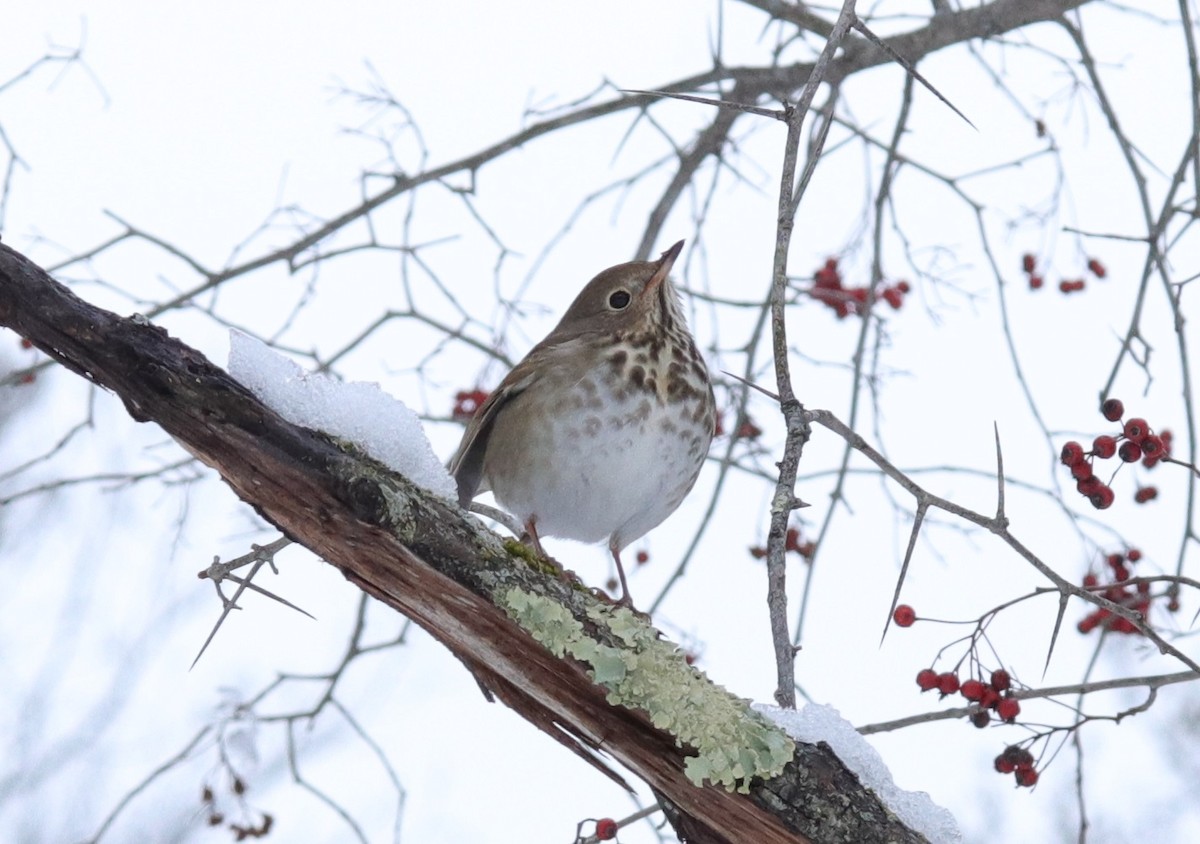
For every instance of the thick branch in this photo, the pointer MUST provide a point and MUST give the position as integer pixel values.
(428, 559)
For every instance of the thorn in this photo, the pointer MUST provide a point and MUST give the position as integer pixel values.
(750, 109)
(908, 66)
(751, 384)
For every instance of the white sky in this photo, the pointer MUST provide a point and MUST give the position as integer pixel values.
(205, 119)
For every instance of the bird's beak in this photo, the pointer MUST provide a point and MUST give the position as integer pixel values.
(664, 266)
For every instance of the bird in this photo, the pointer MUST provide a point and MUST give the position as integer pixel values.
(598, 433)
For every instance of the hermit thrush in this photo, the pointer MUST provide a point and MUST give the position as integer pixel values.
(600, 432)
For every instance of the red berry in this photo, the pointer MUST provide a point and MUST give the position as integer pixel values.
(606, 829)
(1120, 573)
(466, 402)
(26, 343)
(1152, 446)
(1072, 453)
(1134, 555)
(1113, 410)
(1122, 625)
(1006, 762)
(981, 718)
(903, 286)
(1102, 499)
(1089, 486)
(643, 557)
(1014, 756)
(1130, 452)
(1104, 446)
(827, 278)
(758, 552)
(1070, 286)
(1166, 438)
(1146, 493)
(1097, 268)
(1008, 709)
(1136, 428)
(972, 690)
(893, 297)
(927, 679)
(28, 378)
(1114, 559)
(947, 683)
(1090, 580)
(1036, 282)
(1081, 471)
(990, 698)
(1000, 680)
(904, 616)
(1026, 777)
(1028, 262)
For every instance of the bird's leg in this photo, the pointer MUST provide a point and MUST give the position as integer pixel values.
(531, 532)
(531, 529)
(625, 601)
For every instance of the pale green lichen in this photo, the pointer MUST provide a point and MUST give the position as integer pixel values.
(733, 743)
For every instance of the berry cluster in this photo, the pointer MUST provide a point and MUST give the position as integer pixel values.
(466, 402)
(1115, 586)
(1066, 285)
(794, 541)
(1136, 441)
(993, 694)
(1019, 762)
(992, 697)
(829, 289)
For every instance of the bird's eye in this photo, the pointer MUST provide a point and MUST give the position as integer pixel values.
(619, 300)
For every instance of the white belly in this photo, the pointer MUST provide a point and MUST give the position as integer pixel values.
(593, 475)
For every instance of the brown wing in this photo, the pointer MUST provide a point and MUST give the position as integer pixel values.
(467, 463)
